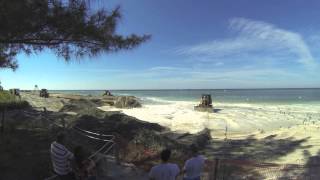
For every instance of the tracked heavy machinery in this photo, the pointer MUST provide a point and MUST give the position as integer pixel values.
(15, 92)
(205, 104)
(44, 93)
(107, 93)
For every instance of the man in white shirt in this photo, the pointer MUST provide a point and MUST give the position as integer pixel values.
(165, 170)
(61, 157)
(194, 166)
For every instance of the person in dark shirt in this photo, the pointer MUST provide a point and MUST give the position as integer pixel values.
(85, 167)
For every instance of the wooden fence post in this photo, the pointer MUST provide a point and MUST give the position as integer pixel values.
(2, 120)
(63, 122)
(216, 164)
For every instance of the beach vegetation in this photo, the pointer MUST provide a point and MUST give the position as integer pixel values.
(70, 28)
(9, 101)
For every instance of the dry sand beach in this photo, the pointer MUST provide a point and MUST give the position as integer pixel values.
(245, 136)
(240, 121)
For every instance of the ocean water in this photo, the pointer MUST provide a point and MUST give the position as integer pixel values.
(292, 114)
(249, 96)
(239, 112)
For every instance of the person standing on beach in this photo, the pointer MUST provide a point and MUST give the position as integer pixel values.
(194, 166)
(165, 170)
(61, 157)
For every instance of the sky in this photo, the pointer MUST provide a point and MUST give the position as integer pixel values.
(195, 45)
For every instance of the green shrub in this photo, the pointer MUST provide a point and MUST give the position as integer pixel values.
(5, 96)
(9, 102)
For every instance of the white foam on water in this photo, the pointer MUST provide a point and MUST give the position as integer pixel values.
(293, 121)
(235, 117)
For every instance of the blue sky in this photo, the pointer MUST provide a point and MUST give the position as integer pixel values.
(195, 44)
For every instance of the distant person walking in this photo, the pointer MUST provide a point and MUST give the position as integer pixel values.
(194, 166)
(61, 157)
(165, 170)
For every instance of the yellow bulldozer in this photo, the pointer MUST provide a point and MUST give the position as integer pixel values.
(205, 104)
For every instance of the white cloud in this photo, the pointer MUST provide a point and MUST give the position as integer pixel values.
(165, 68)
(254, 56)
(219, 78)
(196, 74)
(265, 39)
(219, 64)
(92, 70)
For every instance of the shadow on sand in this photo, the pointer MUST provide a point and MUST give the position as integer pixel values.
(248, 158)
(217, 110)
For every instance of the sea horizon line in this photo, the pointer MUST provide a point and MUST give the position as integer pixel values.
(176, 89)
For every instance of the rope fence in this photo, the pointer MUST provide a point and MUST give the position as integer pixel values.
(107, 139)
(218, 169)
